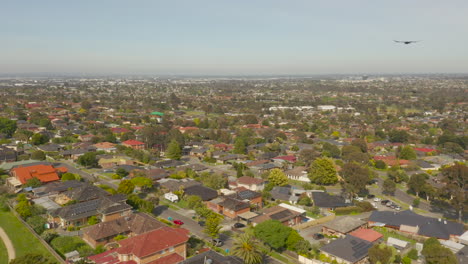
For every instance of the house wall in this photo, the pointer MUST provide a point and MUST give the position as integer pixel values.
(110, 217)
(258, 202)
(179, 249)
(233, 214)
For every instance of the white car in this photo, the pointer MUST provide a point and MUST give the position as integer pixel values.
(360, 199)
(377, 199)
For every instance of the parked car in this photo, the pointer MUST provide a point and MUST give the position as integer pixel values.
(239, 225)
(178, 222)
(374, 205)
(318, 236)
(384, 202)
(377, 199)
(370, 196)
(398, 208)
(360, 199)
(201, 223)
(217, 242)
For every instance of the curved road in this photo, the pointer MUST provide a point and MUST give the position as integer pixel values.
(8, 244)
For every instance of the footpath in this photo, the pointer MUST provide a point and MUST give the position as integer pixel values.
(8, 244)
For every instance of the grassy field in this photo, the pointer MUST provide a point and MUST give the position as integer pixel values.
(3, 254)
(22, 239)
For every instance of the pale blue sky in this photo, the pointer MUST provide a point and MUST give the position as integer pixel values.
(233, 36)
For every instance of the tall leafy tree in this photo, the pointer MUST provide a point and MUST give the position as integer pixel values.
(435, 253)
(247, 247)
(173, 150)
(7, 126)
(417, 182)
(39, 139)
(355, 178)
(407, 153)
(322, 171)
(456, 180)
(126, 187)
(273, 233)
(213, 225)
(88, 159)
(277, 177)
(240, 146)
(389, 186)
(380, 254)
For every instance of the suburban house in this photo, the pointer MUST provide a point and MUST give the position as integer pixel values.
(44, 173)
(105, 146)
(134, 144)
(201, 191)
(7, 154)
(105, 209)
(253, 184)
(342, 226)
(349, 250)
(410, 222)
(132, 225)
(107, 163)
(286, 193)
(230, 207)
(253, 198)
(298, 174)
(161, 246)
(327, 201)
(286, 214)
(81, 193)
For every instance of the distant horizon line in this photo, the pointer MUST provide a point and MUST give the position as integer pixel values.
(194, 75)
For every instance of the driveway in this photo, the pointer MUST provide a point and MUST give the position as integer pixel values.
(190, 224)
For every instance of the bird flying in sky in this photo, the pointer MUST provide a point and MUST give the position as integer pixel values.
(406, 42)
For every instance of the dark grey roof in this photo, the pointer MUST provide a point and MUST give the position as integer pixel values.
(7, 154)
(203, 192)
(325, 200)
(282, 193)
(234, 204)
(128, 168)
(462, 255)
(215, 258)
(428, 226)
(58, 187)
(282, 215)
(50, 147)
(246, 195)
(169, 163)
(85, 193)
(350, 248)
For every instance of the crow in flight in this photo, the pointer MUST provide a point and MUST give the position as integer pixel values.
(406, 42)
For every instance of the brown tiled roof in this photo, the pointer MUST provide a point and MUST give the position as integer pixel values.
(138, 223)
(249, 180)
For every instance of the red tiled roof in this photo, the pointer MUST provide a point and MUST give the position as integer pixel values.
(391, 160)
(45, 173)
(169, 259)
(366, 234)
(119, 130)
(132, 142)
(153, 241)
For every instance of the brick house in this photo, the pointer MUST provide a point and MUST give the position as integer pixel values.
(228, 206)
(161, 246)
(134, 144)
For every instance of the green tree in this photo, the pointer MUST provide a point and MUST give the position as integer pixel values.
(247, 247)
(417, 182)
(397, 175)
(456, 179)
(194, 201)
(68, 176)
(380, 254)
(37, 223)
(360, 143)
(30, 258)
(330, 150)
(308, 155)
(277, 177)
(355, 178)
(214, 181)
(399, 136)
(7, 126)
(322, 171)
(88, 160)
(173, 150)
(380, 164)
(213, 225)
(39, 139)
(33, 182)
(407, 153)
(126, 187)
(142, 182)
(435, 253)
(294, 241)
(273, 233)
(93, 220)
(389, 186)
(306, 201)
(24, 209)
(240, 146)
(38, 155)
(121, 172)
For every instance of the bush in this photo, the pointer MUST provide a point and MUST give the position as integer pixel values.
(416, 202)
(406, 260)
(413, 254)
(67, 244)
(365, 206)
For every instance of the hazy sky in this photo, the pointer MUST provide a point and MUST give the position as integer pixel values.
(233, 36)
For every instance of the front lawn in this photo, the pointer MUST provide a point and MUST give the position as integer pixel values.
(23, 240)
(3, 253)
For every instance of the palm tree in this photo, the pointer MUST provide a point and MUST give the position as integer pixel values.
(247, 247)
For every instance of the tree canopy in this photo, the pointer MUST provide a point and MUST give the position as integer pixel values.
(277, 177)
(322, 171)
(273, 233)
(174, 150)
